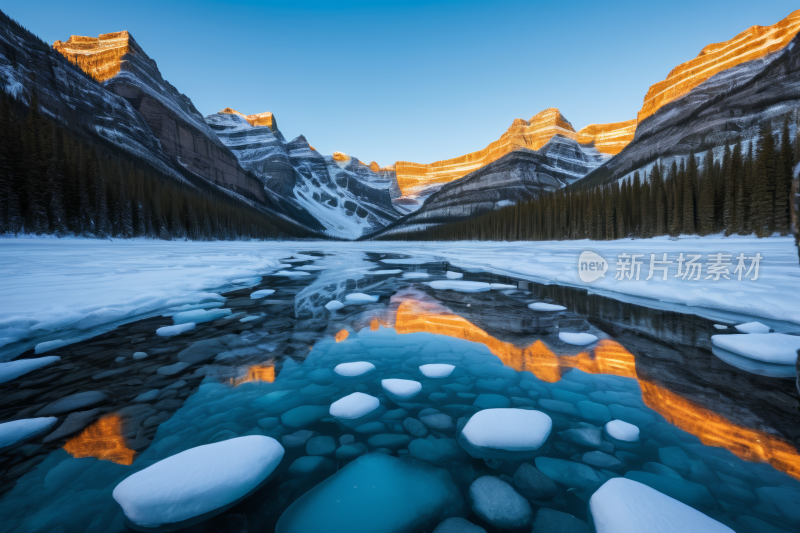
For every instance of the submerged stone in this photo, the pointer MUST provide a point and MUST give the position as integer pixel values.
(375, 493)
(569, 473)
(303, 416)
(457, 524)
(692, 494)
(498, 503)
(552, 521)
(533, 484)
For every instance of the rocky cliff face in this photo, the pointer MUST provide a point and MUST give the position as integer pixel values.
(417, 180)
(754, 43)
(517, 176)
(347, 197)
(119, 63)
(728, 107)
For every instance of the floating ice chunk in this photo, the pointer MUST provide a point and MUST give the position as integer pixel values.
(578, 339)
(461, 286)
(720, 326)
(290, 273)
(354, 406)
(15, 369)
(402, 388)
(752, 327)
(139, 355)
(171, 331)
(777, 348)
(198, 316)
(361, 298)
(49, 345)
(437, 370)
(249, 318)
(541, 306)
(501, 286)
(263, 293)
(198, 481)
(416, 275)
(18, 431)
(617, 429)
(755, 367)
(310, 268)
(334, 305)
(514, 430)
(246, 281)
(351, 370)
(384, 272)
(454, 275)
(622, 505)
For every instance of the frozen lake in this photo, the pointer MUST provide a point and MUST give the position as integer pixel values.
(375, 402)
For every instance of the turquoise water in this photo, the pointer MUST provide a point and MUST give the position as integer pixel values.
(428, 477)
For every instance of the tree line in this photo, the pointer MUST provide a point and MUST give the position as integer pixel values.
(744, 191)
(56, 179)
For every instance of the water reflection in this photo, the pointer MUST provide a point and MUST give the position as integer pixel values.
(102, 440)
(415, 314)
(342, 335)
(262, 372)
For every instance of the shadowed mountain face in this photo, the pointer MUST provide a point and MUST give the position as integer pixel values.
(348, 199)
(515, 177)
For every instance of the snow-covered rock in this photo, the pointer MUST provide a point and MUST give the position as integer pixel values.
(578, 339)
(623, 431)
(139, 355)
(351, 370)
(416, 275)
(15, 369)
(198, 481)
(777, 348)
(543, 306)
(461, 286)
(354, 406)
(491, 432)
(454, 275)
(752, 327)
(171, 331)
(436, 370)
(18, 431)
(46, 346)
(334, 305)
(263, 293)
(501, 286)
(401, 388)
(361, 298)
(622, 505)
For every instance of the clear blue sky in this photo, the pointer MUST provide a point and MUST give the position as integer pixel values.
(415, 81)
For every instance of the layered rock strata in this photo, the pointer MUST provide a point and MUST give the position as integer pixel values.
(117, 60)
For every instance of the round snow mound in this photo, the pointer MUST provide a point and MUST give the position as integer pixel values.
(355, 405)
(334, 305)
(351, 370)
(578, 339)
(515, 430)
(541, 306)
(438, 370)
(461, 286)
(198, 481)
(402, 388)
(752, 327)
(361, 298)
(625, 506)
(617, 429)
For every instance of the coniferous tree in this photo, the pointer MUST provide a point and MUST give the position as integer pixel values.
(705, 204)
(783, 181)
(763, 200)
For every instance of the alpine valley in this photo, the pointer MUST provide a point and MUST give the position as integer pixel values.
(110, 92)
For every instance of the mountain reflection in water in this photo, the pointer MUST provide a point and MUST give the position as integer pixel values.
(607, 357)
(102, 440)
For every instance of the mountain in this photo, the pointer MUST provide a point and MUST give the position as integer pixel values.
(416, 180)
(348, 198)
(756, 78)
(517, 176)
(118, 62)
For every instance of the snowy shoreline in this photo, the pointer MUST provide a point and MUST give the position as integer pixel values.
(78, 288)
